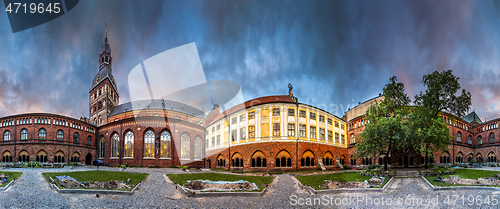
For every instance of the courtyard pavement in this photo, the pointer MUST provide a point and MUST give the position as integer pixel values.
(32, 191)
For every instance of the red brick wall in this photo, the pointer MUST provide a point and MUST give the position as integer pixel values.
(271, 149)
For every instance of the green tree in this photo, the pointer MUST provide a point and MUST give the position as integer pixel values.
(386, 124)
(428, 131)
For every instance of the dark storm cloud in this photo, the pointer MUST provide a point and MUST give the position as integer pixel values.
(335, 53)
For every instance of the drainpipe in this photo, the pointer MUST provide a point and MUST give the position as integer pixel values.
(230, 140)
(297, 132)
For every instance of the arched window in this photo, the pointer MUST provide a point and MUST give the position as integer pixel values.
(460, 158)
(353, 139)
(165, 144)
(115, 144)
(60, 135)
(89, 140)
(6, 136)
(308, 158)
(197, 148)
(492, 138)
(42, 134)
(479, 140)
(237, 160)
(76, 137)
(149, 144)
(41, 157)
(59, 157)
(282, 159)
(221, 162)
(129, 145)
(24, 156)
(459, 137)
(259, 159)
(75, 158)
(479, 157)
(24, 134)
(326, 159)
(7, 157)
(101, 147)
(185, 146)
(470, 158)
(492, 158)
(470, 139)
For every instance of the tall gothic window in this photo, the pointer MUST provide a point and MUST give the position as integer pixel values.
(101, 147)
(470, 140)
(479, 140)
(24, 134)
(6, 136)
(149, 144)
(60, 135)
(89, 140)
(115, 144)
(129, 145)
(42, 134)
(76, 137)
(185, 146)
(197, 147)
(459, 136)
(165, 144)
(492, 137)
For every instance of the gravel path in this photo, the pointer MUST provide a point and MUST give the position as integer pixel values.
(32, 191)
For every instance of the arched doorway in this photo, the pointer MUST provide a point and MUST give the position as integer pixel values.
(88, 159)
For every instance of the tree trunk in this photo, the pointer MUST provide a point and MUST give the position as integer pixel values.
(385, 162)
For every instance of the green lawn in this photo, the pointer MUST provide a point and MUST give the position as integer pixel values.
(99, 176)
(315, 181)
(462, 173)
(12, 176)
(181, 179)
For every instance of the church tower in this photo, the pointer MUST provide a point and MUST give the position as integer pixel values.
(103, 93)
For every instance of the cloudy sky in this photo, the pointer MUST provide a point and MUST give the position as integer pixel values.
(335, 53)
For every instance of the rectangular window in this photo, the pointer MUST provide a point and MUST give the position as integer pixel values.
(234, 135)
(251, 131)
(343, 139)
(242, 133)
(342, 126)
(336, 137)
(330, 121)
(218, 139)
(213, 129)
(276, 111)
(330, 136)
(303, 131)
(291, 112)
(302, 113)
(213, 141)
(251, 115)
(312, 116)
(322, 134)
(291, 129)
(276, 129)
(321, 118)
(336, 124)
(206, 143)
(313, 132)
(218, 127)
(234, 120)
(242, 118)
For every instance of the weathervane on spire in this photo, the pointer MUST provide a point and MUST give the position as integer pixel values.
(106, 28)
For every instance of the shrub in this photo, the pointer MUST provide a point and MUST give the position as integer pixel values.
(374, 167)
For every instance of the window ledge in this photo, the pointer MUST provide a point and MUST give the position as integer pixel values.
(165, 158)
(198, 160)
(185, 159)
(111, 158)
(149, 158)
(128, 158)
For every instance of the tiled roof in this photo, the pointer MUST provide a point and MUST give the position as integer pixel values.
(157, 104)
(473, 117)
(254, 102)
